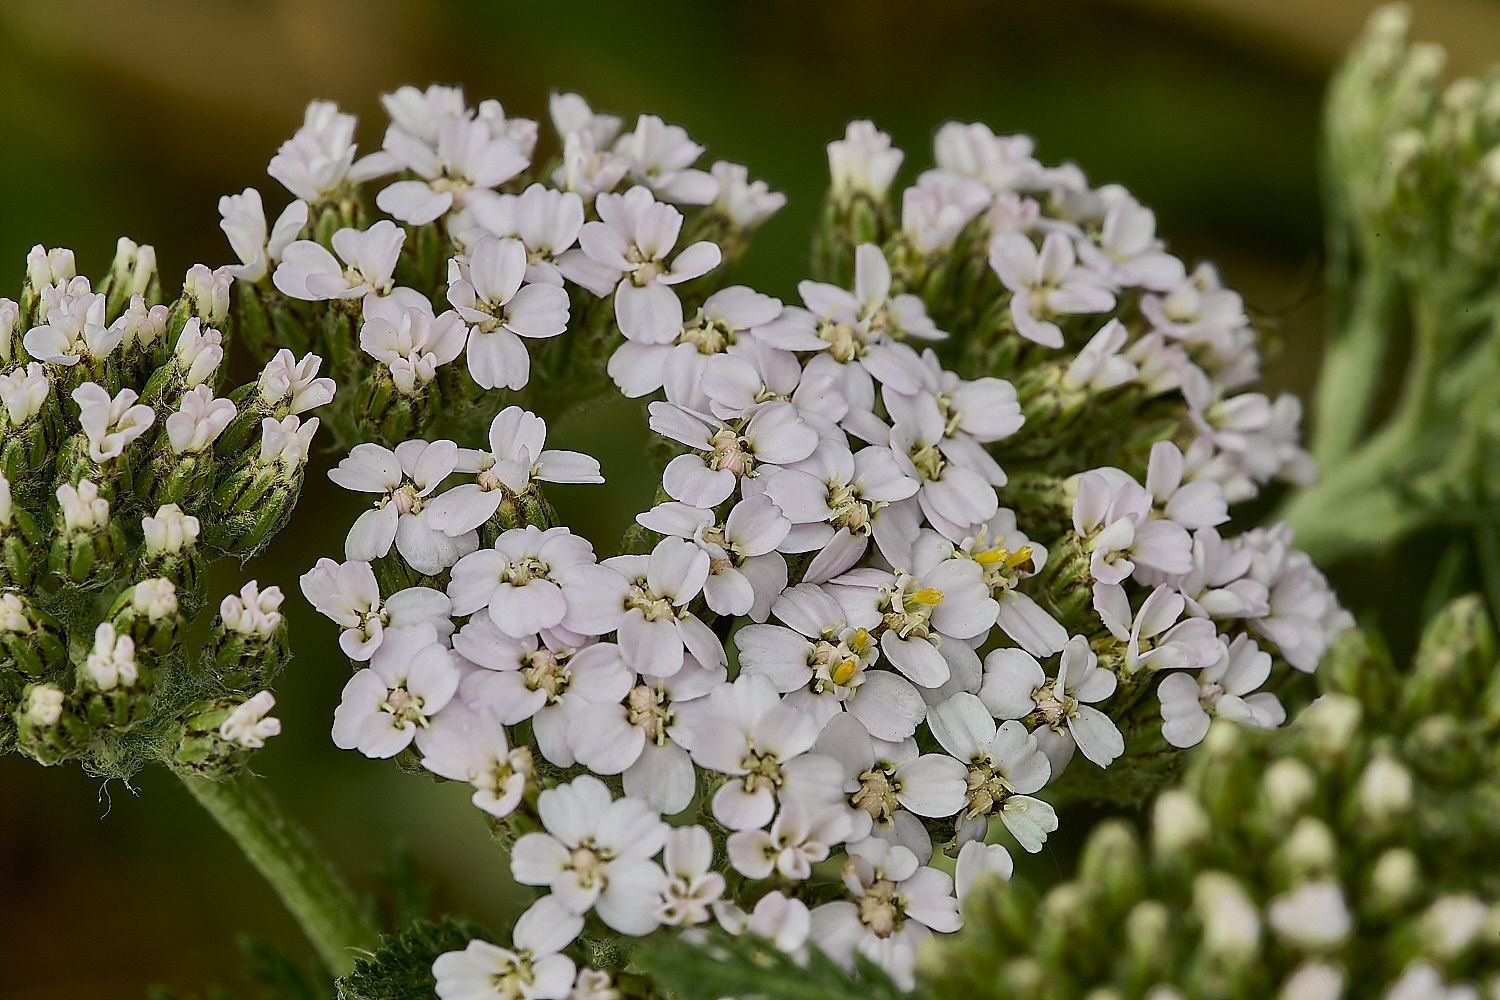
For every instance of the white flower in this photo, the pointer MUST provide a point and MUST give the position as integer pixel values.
(169, 532)
(593, 984)
(727, 318)
(1453, 924)
(411, 343)
(1015, 687)
(692, 887)
(823, 665)
(24, 391)
(596, 854)
(938, 207)
(44, 705)
(83, 509)
(1385, 789)
(723, 453)
(10, 315)
(198, 352)
(1112, 517)
(644, 737)
(488, 293)
(634, 236)
(650, 601)
(891, 784)
(464, 157)
(348, 594)
(897, 904)
(248, 725)
(516, 457)
(244, 222)
(421, 113)
(405, 478)
(746, 731)
(1045, 283)
(467, 745)
(571, 114)
(199, 420)
(745, 572)
(50, 267)
(1154, 638)
(863, 162)
(783, 920)
(140, 326)
(930, 623)
(74, 329)
(546, 221)
(1313, 916)
(1125, 251)
(112, 662)
(533, 971)
(156, 599)
(1005, 766)
(1423, 982)
(588, 168)
(1003, 163)
(1223, 688)
(1100, 366)
(533, 580)
(547, 684)
(799, 838)
(317, 159)
(1305, 616)
(661, 157)
(392, 701)
(978, 861)
(110, 423)
(1193, 505)
(252, 612)
(745, 203)
(308, 271)
(287, 382)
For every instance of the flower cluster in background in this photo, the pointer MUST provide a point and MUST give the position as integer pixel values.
(124, 475)
(948, 521)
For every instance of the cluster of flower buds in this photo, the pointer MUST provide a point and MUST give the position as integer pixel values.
(123, 475)
(1349, 855)
(924, 537)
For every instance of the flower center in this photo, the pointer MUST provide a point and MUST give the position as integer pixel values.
(837, 666)
(547, 671)
(405, 706)
(909, 614)
(881, 908)
(849, 509)
(732, 452)
(1054, 708)
(590, 862)
(928, 459)
(847, 343)
(648, 708)
(762, 770)
(522, 571)
(653, 607)
(1001, 568)
(987, 787)
(496, 777)
(709, 335)
(876, 795)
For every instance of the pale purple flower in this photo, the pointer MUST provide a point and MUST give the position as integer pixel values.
(1005, 765)
(1225, 688)
(486, 291)
(650, 601)
(347, 593)
(403, 479)
(392, 701)
(366, 260)
(1045, 284)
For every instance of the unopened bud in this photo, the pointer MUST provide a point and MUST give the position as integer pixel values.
(1452, 924)
(1385, 790)
(252, 612)
(1231, 923)
(44, 705)
(142, 326)
(1177, 823)
(1396, 878)
(863, 162)
(198, 421)
(1331, 722)
(286, 442)
(1312, 916)
(248, 725)
(290, 386)
(1288, 785)
(155, 600)
(207, 293)
(24, 392)
(13, 617)
(48, 267)
(112, 663)
(1310, 849)
(170, 532)
(1314, 981)
(83, 509)
(199, 352)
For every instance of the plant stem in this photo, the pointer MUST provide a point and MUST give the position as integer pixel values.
(282, 852)
(1349, 378)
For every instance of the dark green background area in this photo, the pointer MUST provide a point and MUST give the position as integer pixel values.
(136, 123)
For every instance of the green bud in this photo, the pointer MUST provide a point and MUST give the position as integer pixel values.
(1453, 658)
(1112, 865)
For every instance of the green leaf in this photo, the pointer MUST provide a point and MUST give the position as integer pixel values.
(725, 966)
(401, 967)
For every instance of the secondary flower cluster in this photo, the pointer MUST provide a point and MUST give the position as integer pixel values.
(924, 533)
(123, 475)
(1346, 855)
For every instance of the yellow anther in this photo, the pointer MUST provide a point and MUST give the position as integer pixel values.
(1020, 557)
(999, 554)
(859, 640)
(927, 595)
(841, 673)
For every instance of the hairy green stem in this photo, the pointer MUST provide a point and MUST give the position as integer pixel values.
(282, 852)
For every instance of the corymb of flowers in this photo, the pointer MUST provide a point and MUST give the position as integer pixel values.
(947, 528)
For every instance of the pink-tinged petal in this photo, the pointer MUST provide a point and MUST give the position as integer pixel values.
(693, 262)
(603, 740)
(663, 778)
(413, 202)
(648, 314)
(605, 245)
(689, 480)
(741, 810)
(916, 658)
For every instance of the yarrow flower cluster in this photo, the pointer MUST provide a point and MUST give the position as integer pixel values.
(917, 546)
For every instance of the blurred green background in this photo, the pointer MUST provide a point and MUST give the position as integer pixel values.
(133, 117)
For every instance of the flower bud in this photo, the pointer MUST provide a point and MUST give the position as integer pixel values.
(1312, 916)
(30, 642)
(1452, 924)
(1148, 937)
(1385, 790)
(10, 322)
(88, 542)
(44, 704)
(24, 391)
(862, 163)
(142, 327)
(248, 726)
(215, 738)
(1314, 981)
(112, 662)
(1288, 786)
(288, 386)
(1111, 863)
(1395, 879)
(130, 273)
(1231, 923)
(1309, 850)
(199, 352)
(1178, 822)
(1330, 723)
(199, 420)
(170, 532)
(155, 600)
(249, 643)
(207, 293)
(49, 267)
